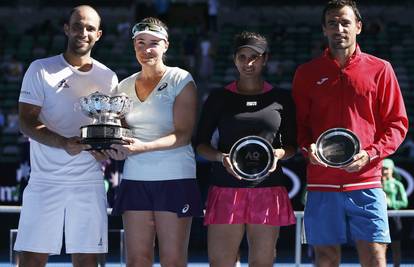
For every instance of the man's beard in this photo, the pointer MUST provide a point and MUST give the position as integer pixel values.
(80, 51)
(338, 45)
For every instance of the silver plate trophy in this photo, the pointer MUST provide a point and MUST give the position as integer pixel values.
(336, 147)
(252, 157)
(107, 113)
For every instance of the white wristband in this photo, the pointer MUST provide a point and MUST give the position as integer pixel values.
(220, 158)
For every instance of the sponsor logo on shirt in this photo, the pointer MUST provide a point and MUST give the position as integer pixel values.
(63, 84)
(185, 208)
(322, 80)
(24, 92)
(251, 103)
(162, 86)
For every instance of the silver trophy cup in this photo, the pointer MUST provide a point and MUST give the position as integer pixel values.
(336, 147)
(107, 113)
(252, 157)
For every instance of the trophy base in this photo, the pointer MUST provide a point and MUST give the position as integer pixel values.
(102, 136)
(102, 143)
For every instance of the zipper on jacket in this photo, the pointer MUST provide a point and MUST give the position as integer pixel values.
(342, 86)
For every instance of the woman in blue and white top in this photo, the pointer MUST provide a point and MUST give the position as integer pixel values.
(158, 194)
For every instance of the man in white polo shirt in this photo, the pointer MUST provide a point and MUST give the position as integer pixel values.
(65, 195)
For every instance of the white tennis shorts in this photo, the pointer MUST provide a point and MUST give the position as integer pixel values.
(77, 211)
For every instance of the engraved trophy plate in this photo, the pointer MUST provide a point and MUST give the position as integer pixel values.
(252, 157)
(336, 147)
(107, 113)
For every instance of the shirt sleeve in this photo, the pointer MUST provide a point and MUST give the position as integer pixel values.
(302, 103)
(288, 125)
(183, 78)
(392, 116)
(32, 86)
(208, 119)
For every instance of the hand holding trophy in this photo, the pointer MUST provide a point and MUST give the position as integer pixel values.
(107, 112)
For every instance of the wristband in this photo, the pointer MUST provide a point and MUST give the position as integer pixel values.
(220, 158)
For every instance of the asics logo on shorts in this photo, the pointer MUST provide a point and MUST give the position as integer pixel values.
(186, 208)
(384, 233)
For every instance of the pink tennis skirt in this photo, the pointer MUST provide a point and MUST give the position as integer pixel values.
(264, 205)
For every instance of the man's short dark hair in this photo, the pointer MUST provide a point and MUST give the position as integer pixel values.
(338, 4)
